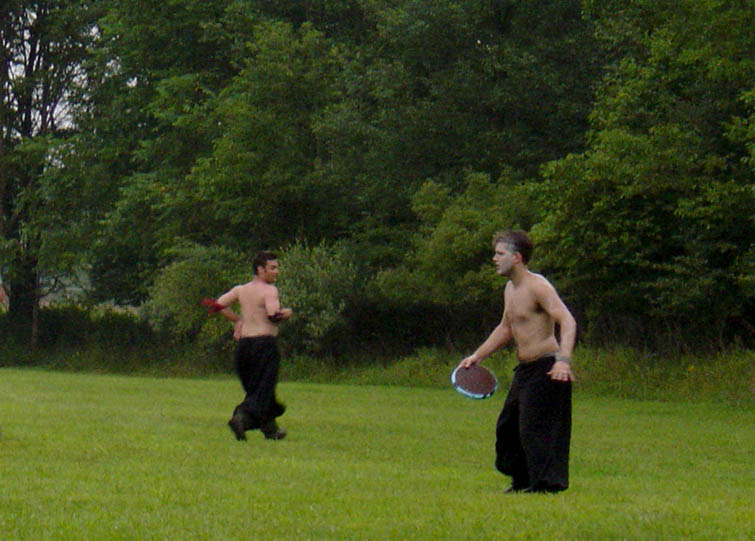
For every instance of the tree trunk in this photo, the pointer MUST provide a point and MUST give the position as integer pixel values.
(24, 302)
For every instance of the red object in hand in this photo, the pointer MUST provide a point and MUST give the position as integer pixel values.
(212, 305)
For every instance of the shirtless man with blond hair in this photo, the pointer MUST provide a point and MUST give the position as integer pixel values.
(534, 427)
(257, 357)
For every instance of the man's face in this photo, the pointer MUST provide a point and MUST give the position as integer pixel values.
(269, 273)
(503, 259)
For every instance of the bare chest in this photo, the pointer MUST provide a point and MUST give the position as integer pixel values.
(522, 307)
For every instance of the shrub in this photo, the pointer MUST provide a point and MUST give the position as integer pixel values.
(322, 284)
(197, 271)
(450, 261)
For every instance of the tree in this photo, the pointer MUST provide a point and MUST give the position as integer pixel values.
(43, 46)
(156, 69)
(450, 263)
(446, 283)
(258, 185)
(442, 88)
(653, 224)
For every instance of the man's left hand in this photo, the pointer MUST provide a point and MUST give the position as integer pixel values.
(561, 371)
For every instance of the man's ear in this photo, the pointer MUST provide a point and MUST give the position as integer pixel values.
(517, 257)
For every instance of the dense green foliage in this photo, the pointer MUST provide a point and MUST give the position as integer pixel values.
(659, 214)
(149, 147)
(44, 46)
(325, 283)
(173, 307)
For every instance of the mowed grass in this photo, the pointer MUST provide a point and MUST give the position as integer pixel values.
(116, 457)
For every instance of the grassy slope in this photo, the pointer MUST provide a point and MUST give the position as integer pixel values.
(114, 457)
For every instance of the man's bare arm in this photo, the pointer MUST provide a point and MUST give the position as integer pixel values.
(280, 315)
(272, 302)
(273, 307)
(556, 309)
(548, 298)
(226, 300)
(498, 338)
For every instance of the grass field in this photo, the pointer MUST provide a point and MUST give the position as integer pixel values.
(116, 457)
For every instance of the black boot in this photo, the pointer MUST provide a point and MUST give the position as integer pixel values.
(237, 426)
(272, 431)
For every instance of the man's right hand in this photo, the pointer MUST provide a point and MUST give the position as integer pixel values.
(212, 305)
(469, 361)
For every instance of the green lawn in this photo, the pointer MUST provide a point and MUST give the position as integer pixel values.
(115, 457)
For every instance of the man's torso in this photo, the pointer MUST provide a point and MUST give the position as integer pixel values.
(255, 321)
(531, 326)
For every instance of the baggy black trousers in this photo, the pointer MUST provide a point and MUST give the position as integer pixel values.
(257, 365)
(534, 429)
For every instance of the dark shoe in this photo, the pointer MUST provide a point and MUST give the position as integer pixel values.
(513, 489)
(272, 431)
(543, 490)
(237, 427)
(277, 435)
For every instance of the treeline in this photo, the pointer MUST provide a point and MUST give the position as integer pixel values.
(149, 147)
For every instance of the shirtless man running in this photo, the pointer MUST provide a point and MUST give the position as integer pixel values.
(257, 357)
(534, 427)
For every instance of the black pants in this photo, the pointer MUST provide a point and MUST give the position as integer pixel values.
(534, 429)
(257, 364)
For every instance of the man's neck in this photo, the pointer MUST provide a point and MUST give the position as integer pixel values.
(518, 273)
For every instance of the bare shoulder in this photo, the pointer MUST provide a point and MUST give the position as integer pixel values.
(272, 288)
(256, 292)
(508, 290)
(540, 284)
(543, 291)
(264, 289)
(243, 287)
(249, 290)
(546, 295)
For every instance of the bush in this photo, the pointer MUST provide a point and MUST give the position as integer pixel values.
(62, 325)
(119, 326)
(450, 261)
(197, 271)
(322, 284)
